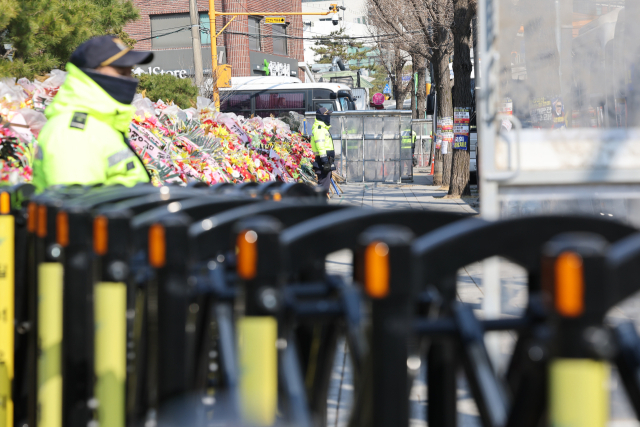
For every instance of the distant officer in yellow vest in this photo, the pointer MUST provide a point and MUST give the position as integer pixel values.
(322, 146)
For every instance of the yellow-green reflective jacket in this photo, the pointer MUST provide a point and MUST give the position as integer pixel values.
(84, 140)
(321, 140)
(408, 139)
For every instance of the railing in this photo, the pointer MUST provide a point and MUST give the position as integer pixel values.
(201, 306)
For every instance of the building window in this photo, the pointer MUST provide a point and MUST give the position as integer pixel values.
(170, 30)
(205, 24)
(279, 39)
(254, 33)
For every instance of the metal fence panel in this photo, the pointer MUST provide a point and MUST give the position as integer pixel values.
(423, 130)
(406, 151)
(368, 144)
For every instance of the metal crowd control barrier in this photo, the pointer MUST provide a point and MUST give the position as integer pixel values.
(211, 245)
(521, 241)
(60, 386)
(423, 129)
(368, 144)
(308, 306)
(192, 306)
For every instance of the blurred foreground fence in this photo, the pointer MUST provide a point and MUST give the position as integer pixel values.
(212, 306)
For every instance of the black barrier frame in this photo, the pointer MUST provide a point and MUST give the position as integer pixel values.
(522, 243)
(303, 266)
(213, 236)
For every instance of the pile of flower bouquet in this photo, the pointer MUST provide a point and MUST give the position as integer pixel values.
(177, 146)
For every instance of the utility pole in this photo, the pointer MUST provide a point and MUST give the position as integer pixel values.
(195, 36)
(214, 35)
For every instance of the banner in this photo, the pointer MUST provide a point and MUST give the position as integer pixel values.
(235, 128)
(461, 116)
(447, 133)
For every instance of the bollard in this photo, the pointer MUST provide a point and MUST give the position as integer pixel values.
(258, 328)
(74, 229)
(168, 368)
(7, 309)
(387, 283)
(573, 278)
(112, 248)
(48, 298)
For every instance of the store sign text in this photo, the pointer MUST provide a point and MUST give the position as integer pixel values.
(156, 70)
(272, 68)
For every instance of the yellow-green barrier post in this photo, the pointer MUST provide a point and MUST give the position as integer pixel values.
(258, 329)
(7, 309)
(574, 280)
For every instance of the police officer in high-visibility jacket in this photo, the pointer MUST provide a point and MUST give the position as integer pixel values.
(408, 143)
(85, 140)
(322, 146)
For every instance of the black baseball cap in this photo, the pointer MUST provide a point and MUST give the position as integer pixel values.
(108, 50)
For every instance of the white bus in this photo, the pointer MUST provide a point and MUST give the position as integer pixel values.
(277, 96)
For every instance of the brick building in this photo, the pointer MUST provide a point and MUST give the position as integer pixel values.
(251, 46)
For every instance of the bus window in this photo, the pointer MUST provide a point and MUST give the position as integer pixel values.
(344, 103)
(279, 103)
(323, 94)
(238, 103)
(329, 105)
(346, 100)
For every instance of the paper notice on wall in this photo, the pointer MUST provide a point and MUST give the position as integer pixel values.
(461, 117)
(507, 106)
(439, 136)
(447, 133)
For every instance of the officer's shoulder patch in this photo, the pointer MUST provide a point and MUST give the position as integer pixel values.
(79, 120)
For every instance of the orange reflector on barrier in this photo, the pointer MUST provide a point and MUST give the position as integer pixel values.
(41, 226)
(100, 235)
(62, 229)
(32, 212)
(5, 203)
(247, 261)
(277, 197)
(376, 270)
(569, 287)
(157, 246)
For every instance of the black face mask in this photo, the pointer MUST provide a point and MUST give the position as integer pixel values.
(325, 118)
(122, 89)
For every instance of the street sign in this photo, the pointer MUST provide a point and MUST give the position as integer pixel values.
(387, 89)
(275, 20)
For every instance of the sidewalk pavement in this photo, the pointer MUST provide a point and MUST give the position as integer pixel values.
(419, 194)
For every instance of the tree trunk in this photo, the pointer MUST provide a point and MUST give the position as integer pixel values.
(445, 107)
(414, 102)
(422, 86)
(462, 66)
